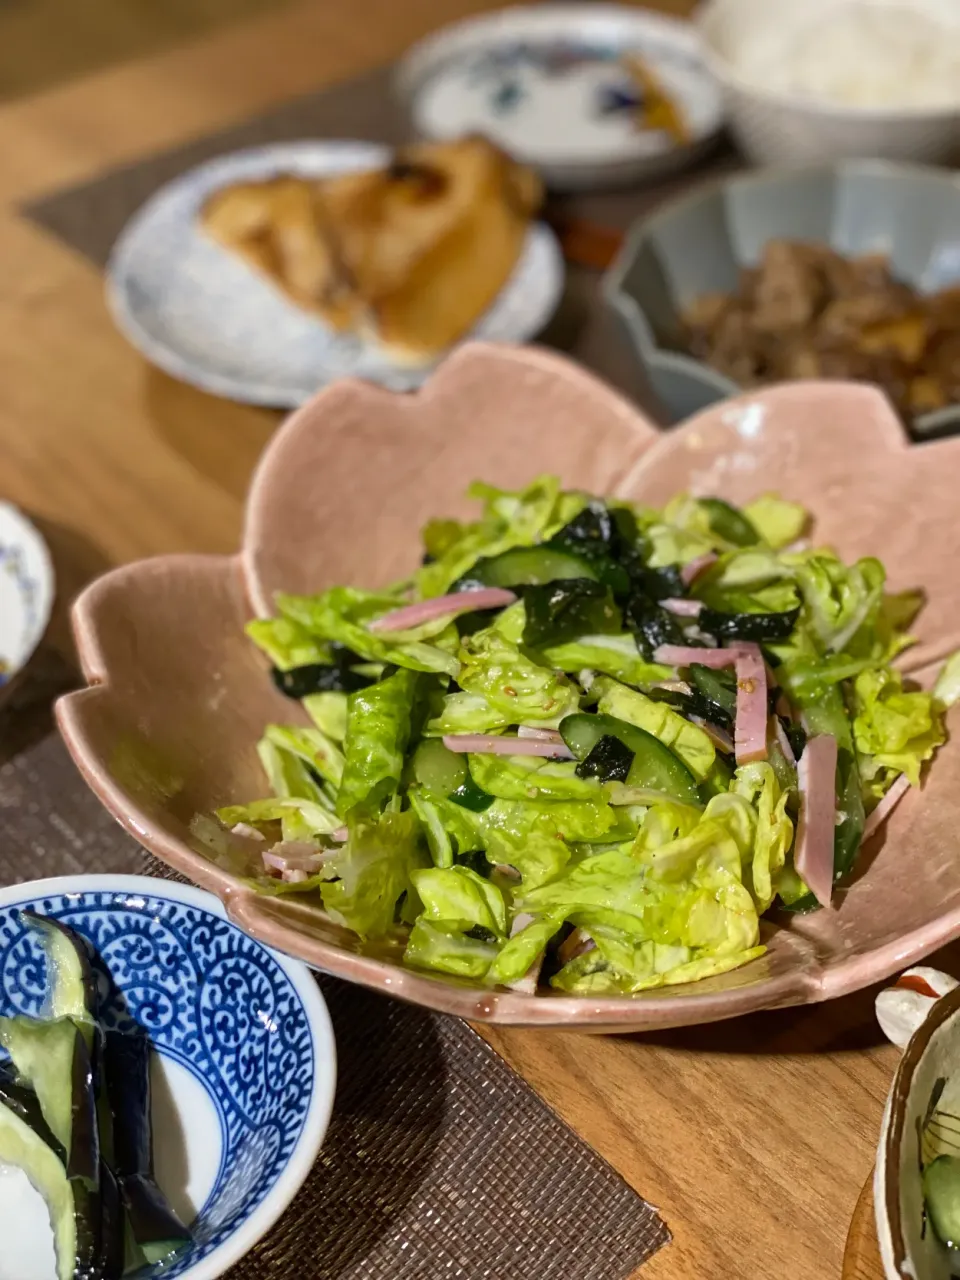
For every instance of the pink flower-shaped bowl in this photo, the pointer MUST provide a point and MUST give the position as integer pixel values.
(178, 696)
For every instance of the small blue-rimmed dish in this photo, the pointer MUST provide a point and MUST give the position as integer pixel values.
(243, 1069)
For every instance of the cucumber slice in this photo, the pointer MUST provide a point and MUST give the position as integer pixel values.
(155, 1228)
(527, 566)
(941, 1192)
(22, 1147)
(729, 523)
(717, 687)
(654, 766)
(53, 1059)
(470, 796)
(73, 987)
(439, 770)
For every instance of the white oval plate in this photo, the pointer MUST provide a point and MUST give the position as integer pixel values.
(26, 591)
(201, 314)
(532, 80)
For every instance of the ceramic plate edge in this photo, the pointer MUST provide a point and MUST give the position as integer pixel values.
(317, 1119)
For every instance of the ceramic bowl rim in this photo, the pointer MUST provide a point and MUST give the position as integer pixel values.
(435, 48)
(946, 1007)
(726, 73)
(631, 311)
(29, 531)
(323, 1045)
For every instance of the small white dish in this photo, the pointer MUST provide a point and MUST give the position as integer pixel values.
(202, 315)
(777, 127)
(244, 1061)
(547, 84)
(26, 592)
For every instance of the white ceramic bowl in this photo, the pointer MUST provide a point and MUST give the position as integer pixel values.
(775, 127)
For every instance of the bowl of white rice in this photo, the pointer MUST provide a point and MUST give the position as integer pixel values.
(818, 80)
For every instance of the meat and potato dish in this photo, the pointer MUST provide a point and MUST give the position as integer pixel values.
(808, 312)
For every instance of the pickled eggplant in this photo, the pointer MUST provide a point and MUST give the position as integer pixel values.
(156, 1229)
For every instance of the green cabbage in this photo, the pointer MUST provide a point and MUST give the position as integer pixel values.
(378, 731)
(686, 740)
(895, 731)
(366, 879)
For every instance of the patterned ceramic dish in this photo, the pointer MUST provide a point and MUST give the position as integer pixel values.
(204, 316)
(550, 83)
(179, 696)
(921, 1122)
(26, 592)
(699, 243)
(244, 1067)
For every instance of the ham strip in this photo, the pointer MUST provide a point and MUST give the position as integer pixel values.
(783, 742)
(682, 608)
(540, 735)
(719, 737)
(750, 730)
(889, 802)
(681, 655)
(817, 781)
(693, 570)
(414, 615)
(490, 744)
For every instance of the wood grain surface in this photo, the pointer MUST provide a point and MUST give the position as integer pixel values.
(861, 1257)
(753, 1137)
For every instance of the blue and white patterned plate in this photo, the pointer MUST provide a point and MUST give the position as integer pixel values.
(26, 591)
(244, 1069)
(201, 314)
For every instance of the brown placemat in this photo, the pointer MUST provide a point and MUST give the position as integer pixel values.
(440, 1161)
(89, 217)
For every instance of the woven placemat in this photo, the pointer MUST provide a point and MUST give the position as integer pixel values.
(89, 217)
(440, 1161)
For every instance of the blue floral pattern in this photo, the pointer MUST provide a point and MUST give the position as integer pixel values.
(213, 1000)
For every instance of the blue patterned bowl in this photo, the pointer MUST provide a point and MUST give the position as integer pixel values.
(243, 1074)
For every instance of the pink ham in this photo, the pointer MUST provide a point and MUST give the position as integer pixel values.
(414, 615)
(540, 735)
(719, 737)
(883, 810)
(783, 742)
(681, 655)
(816, 778)
(682, 608)
(491, 744)
(693, 570)
(750, 730)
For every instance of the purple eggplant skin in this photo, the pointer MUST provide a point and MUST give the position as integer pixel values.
(113, 1241)
(152, 1222)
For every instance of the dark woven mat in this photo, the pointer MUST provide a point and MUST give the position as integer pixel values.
(90, 217)
(440, 1161)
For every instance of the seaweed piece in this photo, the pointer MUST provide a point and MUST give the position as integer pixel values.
(749, 626)
(565, 610)
(609, 760)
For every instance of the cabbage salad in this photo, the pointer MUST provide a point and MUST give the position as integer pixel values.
(589, 743)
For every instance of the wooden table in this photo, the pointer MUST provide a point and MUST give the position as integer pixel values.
(754, 1137)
